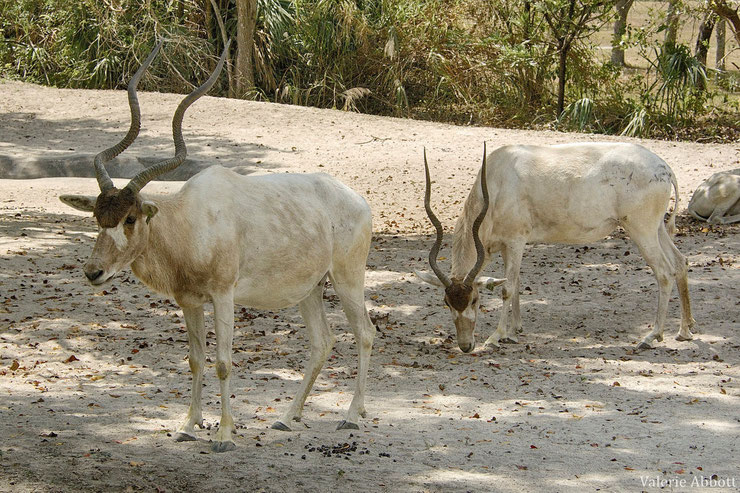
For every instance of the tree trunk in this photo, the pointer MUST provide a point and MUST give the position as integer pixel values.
(702, 39)
(224, 38)
(702, 45)
(620, 27)
(723, 10)
(246, 11)
(671, 21)
(719, 63)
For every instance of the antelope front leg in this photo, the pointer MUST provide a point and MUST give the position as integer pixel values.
(516, 315)
(723, 207)
(730, 219)
(196, 340)
(223, 311)
(500, 332)
(512, 256)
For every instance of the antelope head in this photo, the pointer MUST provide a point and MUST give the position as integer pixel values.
(461, 295)
(123, 216)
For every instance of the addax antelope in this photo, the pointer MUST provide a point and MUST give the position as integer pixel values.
(266, 242)
(717, 200)
(566, 194)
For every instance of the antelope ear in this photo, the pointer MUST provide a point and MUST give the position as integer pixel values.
(83, 203)
(150, 209)
(429, 278)
(489, 282)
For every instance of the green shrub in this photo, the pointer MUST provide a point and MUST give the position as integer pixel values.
(463, 61)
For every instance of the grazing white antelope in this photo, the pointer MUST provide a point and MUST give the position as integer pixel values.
(717, 200)
(267, 242)
(572, 193)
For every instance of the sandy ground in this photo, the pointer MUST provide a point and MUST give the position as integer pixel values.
(93, 383)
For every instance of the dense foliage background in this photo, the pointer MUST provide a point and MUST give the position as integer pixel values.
(517, 63)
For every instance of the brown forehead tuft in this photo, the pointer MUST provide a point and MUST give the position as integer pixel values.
(112, 205)
(458, 295)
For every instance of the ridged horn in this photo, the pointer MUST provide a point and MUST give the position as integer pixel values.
(438, 225)
(476, 225)
(104, 181)
(157, 169)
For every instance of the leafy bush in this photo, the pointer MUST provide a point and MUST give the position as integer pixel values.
(464, 61)
(89, 44)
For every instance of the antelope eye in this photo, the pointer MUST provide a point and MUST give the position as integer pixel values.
(475, 302)
(131, 220)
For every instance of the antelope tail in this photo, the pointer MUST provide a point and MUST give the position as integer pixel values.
(671, 224)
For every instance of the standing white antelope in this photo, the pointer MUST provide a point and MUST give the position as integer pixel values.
(717, 200)
(566, 194)
(266, 242)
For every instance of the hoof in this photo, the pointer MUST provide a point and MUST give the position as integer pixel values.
(279, 425)
(644, 345)
(510, 340)
(659, 338)
(491, 343)
(181, 436)
(346, 425)
(220, 447)
(679, 337)
(488, 348)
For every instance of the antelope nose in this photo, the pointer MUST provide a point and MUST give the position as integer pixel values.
(466, 348)
(93, 275)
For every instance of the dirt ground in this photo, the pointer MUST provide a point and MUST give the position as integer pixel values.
(93, 382)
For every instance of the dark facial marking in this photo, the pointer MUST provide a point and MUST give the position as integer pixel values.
(458, 295)
(112, 205)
